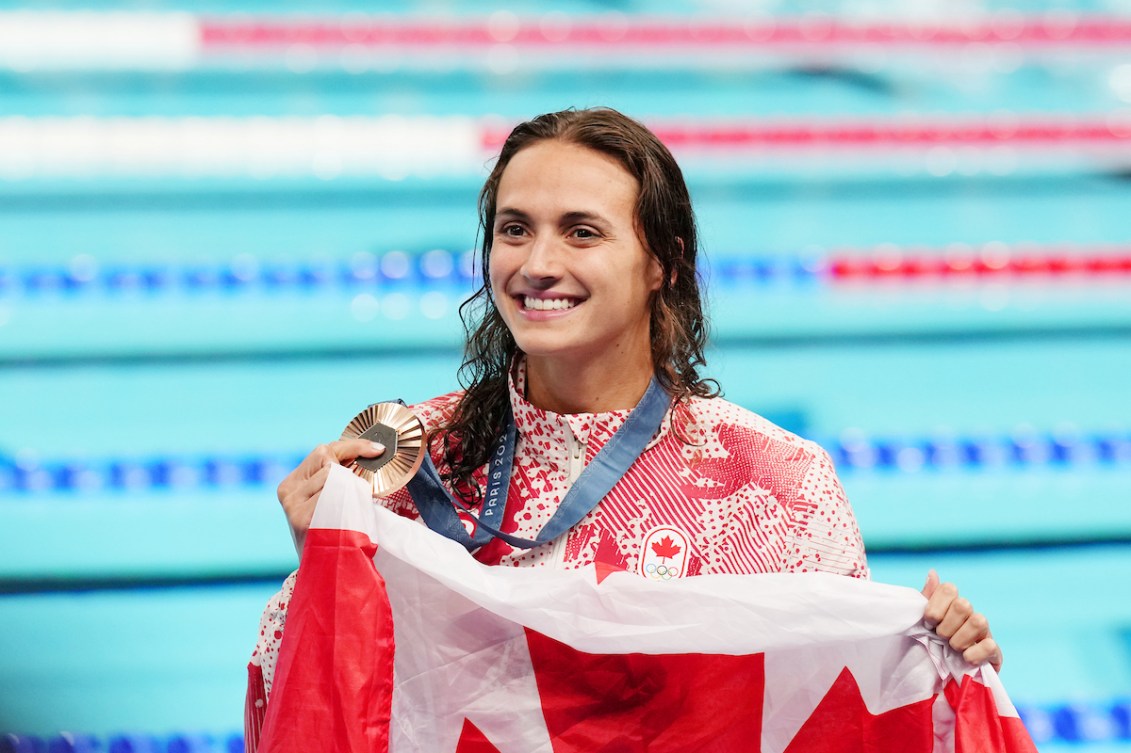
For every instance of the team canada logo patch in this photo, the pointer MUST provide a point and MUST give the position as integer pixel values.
(664, 555)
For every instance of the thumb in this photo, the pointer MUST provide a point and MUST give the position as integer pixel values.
(931, 584)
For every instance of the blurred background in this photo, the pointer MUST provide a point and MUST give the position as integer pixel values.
(226, 227)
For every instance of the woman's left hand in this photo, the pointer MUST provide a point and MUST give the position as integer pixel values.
(953, 618)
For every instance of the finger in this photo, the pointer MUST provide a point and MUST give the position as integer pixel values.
(348, 449)
(985, 650)
(931, 584)
(956, 616)
(942, 596)
(308, 487)
(340, 451)
(299, 502)
(976, 628)
(318, 458)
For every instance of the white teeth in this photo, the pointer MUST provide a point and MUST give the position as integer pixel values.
(547, 304)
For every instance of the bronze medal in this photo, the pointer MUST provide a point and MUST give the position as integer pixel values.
(402, 433)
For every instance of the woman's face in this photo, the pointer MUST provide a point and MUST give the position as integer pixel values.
(570, 277)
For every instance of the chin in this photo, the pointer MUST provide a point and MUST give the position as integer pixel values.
(538, 347)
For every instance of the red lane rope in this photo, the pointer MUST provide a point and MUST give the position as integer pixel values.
(982, 133)
(912, 134)
(1036, 31)
(998, 261)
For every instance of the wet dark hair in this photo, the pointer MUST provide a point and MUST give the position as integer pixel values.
(666, 226)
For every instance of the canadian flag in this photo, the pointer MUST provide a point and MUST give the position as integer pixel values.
(525, 660)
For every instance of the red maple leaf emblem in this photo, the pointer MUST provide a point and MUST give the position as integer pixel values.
(665, 548)
(661, 703)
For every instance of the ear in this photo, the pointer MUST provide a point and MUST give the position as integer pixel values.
(674, 275)
(675, 268)
(655, 274)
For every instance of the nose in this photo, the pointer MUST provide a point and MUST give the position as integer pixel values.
(542, 266)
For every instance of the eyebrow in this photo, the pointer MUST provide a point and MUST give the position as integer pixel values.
(511, 213)
(566, 219)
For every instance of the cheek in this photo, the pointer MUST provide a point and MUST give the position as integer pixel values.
(496, 276)
(501, 268)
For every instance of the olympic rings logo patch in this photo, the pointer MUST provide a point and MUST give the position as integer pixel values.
(664, 553)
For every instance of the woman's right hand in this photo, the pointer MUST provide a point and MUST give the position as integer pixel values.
(298, 492)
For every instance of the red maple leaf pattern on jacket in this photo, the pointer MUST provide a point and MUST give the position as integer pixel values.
(665, 548)
(750, 455)
(751, 496)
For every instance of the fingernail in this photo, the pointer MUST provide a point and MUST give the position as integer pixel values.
(377, 446)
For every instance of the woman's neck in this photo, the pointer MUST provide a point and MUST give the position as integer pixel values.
(586, 388)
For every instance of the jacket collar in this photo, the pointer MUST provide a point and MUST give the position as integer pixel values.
(531, 420)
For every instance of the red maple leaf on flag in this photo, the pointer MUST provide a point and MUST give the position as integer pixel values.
(472, 740)
(842, 723)
(659, 703)
(665, 548)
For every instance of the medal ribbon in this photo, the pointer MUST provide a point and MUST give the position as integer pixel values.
(439, 509)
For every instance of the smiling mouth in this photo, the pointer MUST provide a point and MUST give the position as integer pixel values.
(548, 304)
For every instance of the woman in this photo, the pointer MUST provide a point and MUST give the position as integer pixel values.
(589, 310)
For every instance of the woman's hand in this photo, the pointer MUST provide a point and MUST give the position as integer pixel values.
(298, 492)
(952, 617)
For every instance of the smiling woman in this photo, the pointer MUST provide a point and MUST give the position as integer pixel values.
(622, 204)
(571, 279)
(585, 433)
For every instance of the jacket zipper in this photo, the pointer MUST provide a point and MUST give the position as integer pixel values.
(576, 452)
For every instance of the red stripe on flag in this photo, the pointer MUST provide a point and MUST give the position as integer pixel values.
(333, 684)
(978, 727)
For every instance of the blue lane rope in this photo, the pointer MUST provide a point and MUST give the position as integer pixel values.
(29, 476)
(123, 743)
(1079, 724)
(852, 453)
(1020, 449)
(243, 273)
(395, 269)
(439, 267)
